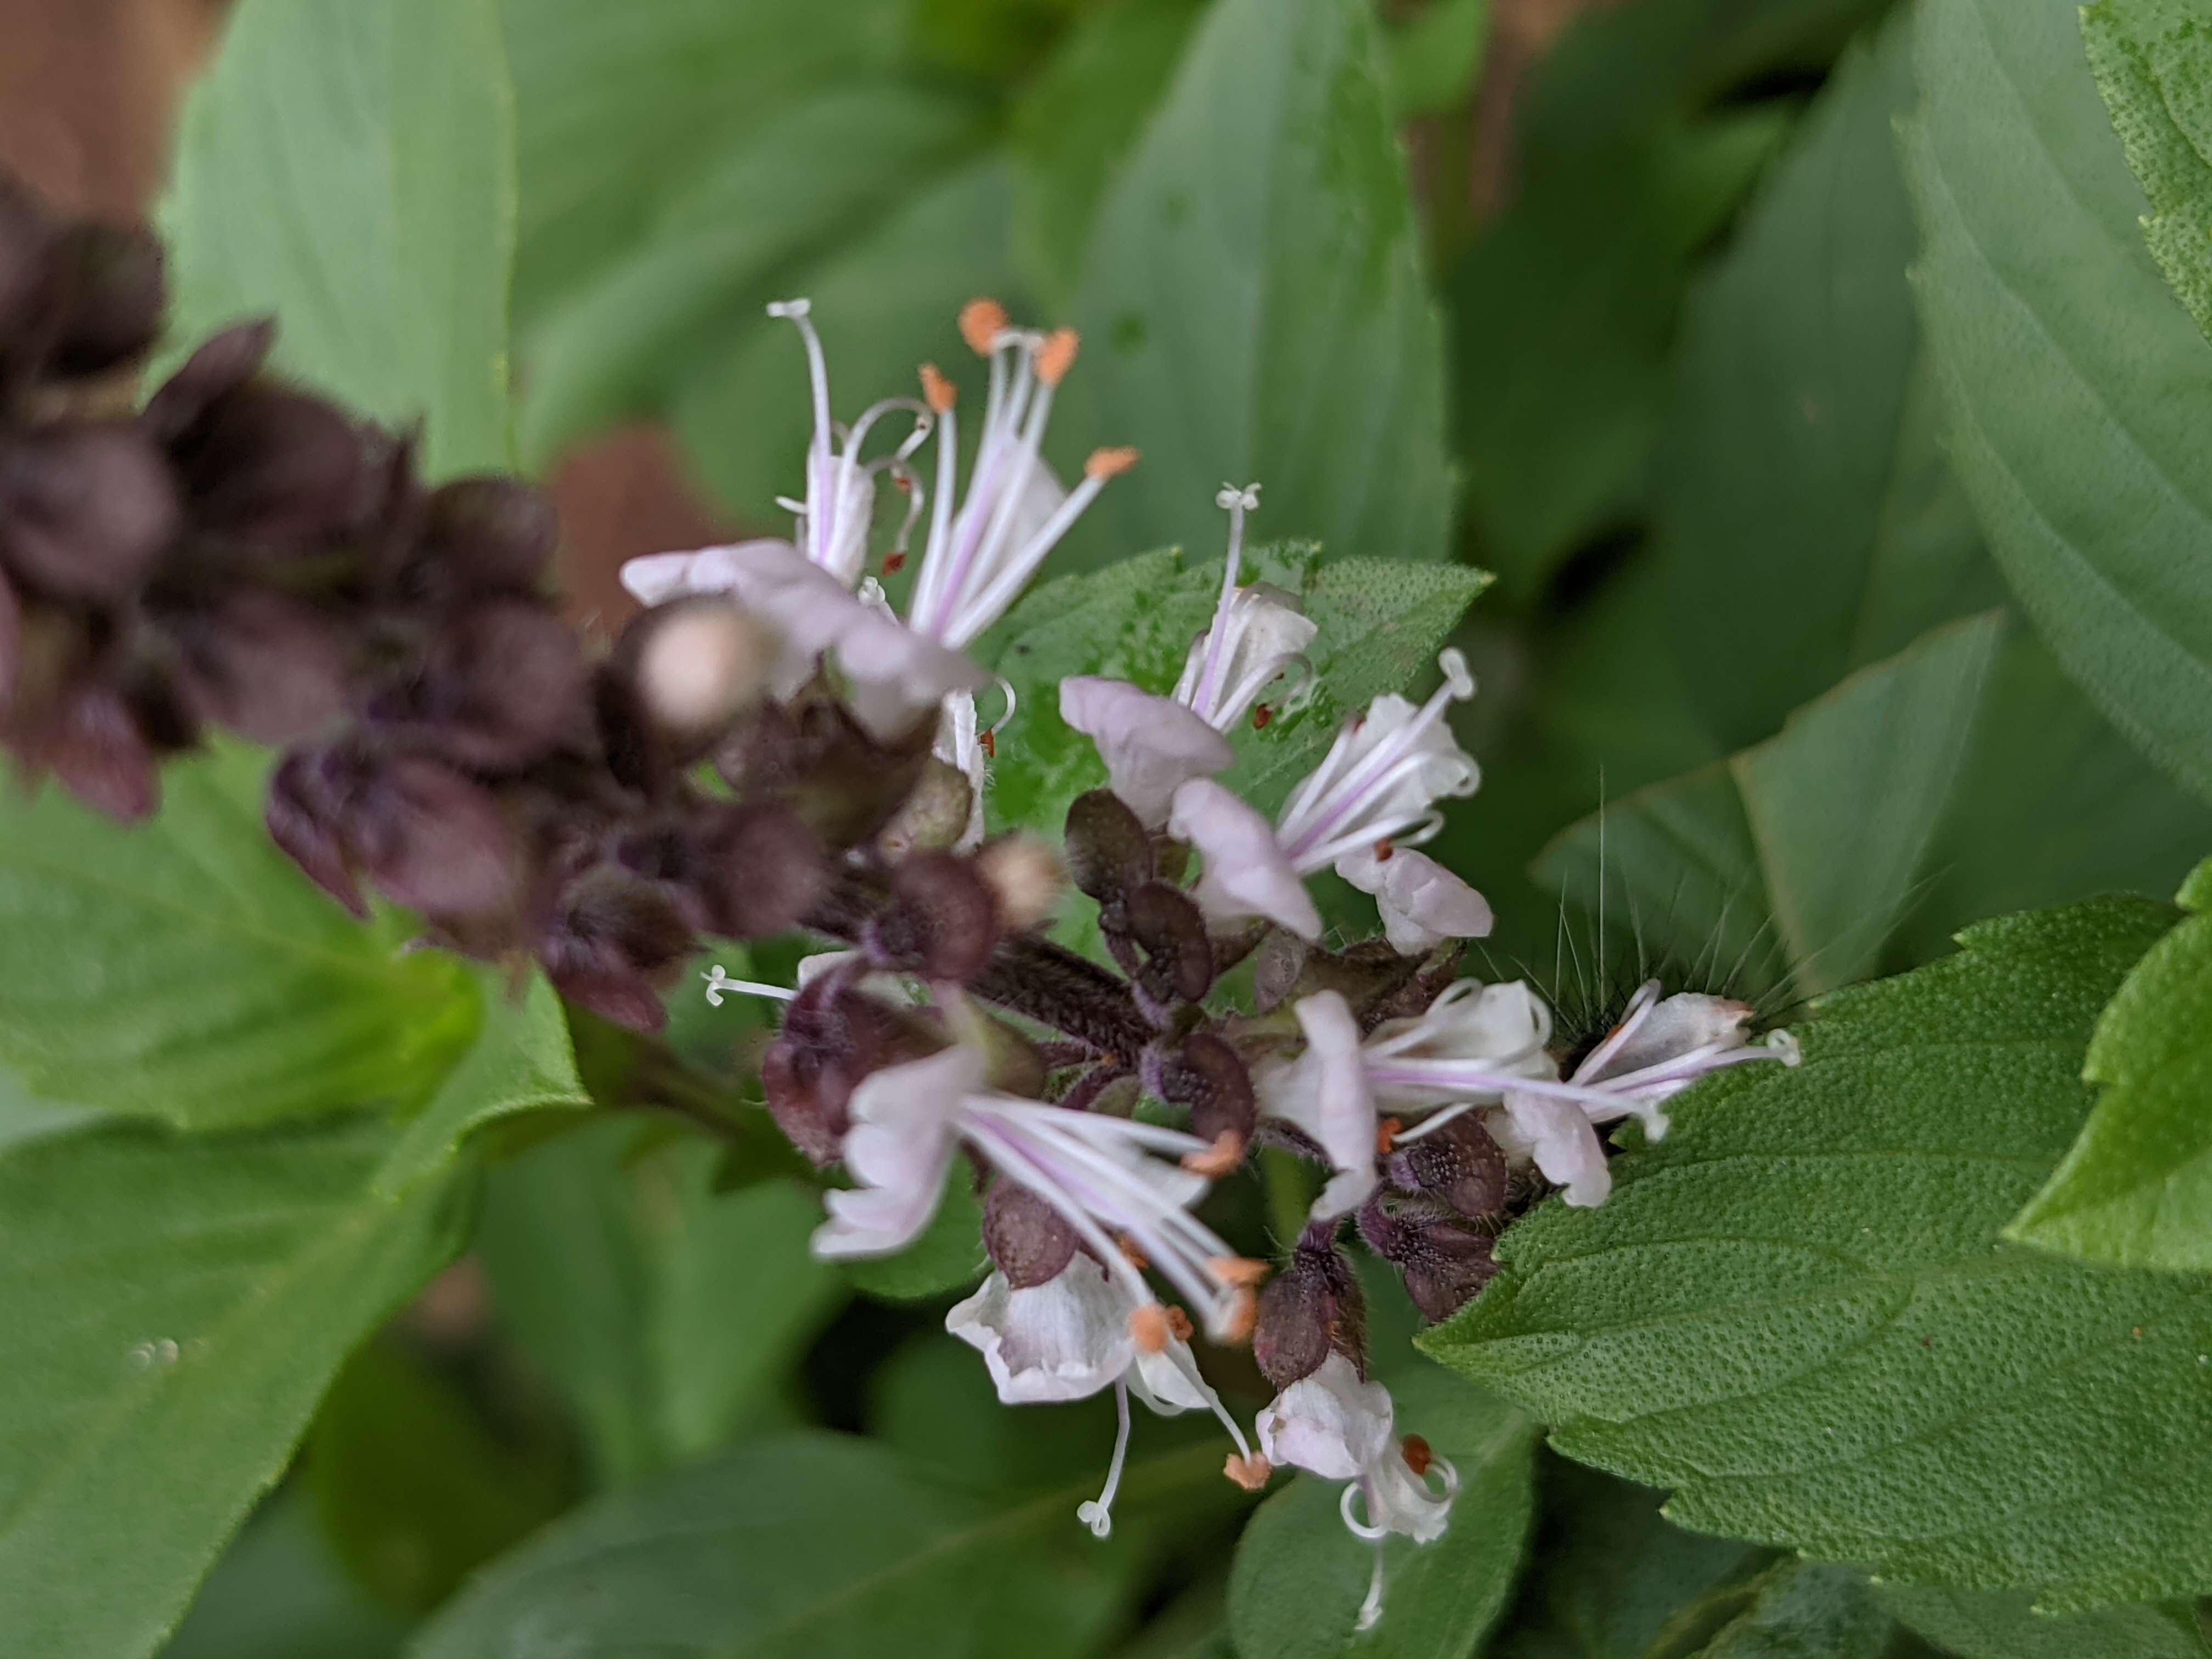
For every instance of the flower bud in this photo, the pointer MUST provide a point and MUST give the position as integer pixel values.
(1458, 1164)
(1027, 878)
(1171, 929)
(432, 840)
(833, 1036)
(697, 664)
(612, 939)
(259, 663)
(757, 870)
(112, 292)
(222, 362)
(814, 758)
(86, 508)
(501, 686)
(269, 465)
(26, 242)
(1310, 1309)
(942, 921)
(303, 814)
(489, 534)
(1109, 851)
(1027, 1240)
(1205, 1076)
(91, 740)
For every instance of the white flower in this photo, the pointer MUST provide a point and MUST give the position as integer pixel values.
(1101, 1173)
(1152, 745)
(1340, 1428)
(1072, 1336)
(1372, 797)
(1323, 1094)
(1482, 1046)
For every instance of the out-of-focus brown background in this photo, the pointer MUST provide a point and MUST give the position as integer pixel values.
(89, 90)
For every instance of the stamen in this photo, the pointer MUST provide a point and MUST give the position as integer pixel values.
(1260, 716)
(1179, 1324)
(1057, 356)
(1416, 1454)
(1218, 1161)
(1149, 1328)
(1104, 464)
(1386, 1135)
(1130, 1252)
(718, 982)
(1250, 1471)
(982, 322)
(939, 393)
(1243, 1314)
(1639, 1008)
(1097, 1514)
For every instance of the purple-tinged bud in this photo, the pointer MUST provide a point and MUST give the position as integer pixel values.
(833, 1036)
(1445, 1263)
(109, 281)
(1458, 1164)
(222, 362)
(1205, 1076)
(1024, 1236)
(488, 534)
(306, 799)
(757, 870)
(813, 756)
(502, 685)
(261, 664)
(612, 940)
(432, 840)
(86, 509)
(942, 921)
(1171, 929)
(1310, 1309)
(267, 464)
(1109, 851)
(91, 742)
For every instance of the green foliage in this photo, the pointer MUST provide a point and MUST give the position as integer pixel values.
(186, 970)
(1987, 1626)
(177, 1307)
(279, 1593)
(2152, 60)
(2136, 1190)
(948, 1256)
(664, 1310)
(1299, 1577)
(1433, 60)
(2076, 386)
(1795, 1312)
(1799, 1610)
(1254, 303)
(413, 1489)
(350, 167)
(816, 1543)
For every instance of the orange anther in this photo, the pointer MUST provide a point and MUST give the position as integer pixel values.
(987, 740)
(982, 322)
(1179, 1323)
(1148, 1327)
(1219, 1160)
(1137, 1258)
(1386, 1134)
(1418, 1455)
(1243, 1314)
(939, 393)
(1250, 1473)
(1260, 715)
(893, 564)
(1239, 1270)
(1109, 463)
(1057, 356)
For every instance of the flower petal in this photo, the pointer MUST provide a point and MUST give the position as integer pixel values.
(1152, 745)
(1422, 904)
(1246, 873)
(1560, 1136)
(1063, 1339)
(1329, 1422)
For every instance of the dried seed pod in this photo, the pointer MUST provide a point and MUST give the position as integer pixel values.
(1444, 1262)
(1026, 1237)
(1168, 925)
(1203, 1074)
(1460, 1164)
(1310, 1309)
(1109, 851)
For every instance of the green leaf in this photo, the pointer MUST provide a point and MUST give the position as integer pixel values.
(666, 1312)
(884, 301)
(1379, 622)
(2152, 60)
(520, 1060)
(412, 1488)
(1797, 857)
(815, 1544)
(178, 1306)
(2076, 384)
(1076, 122)
(1794, 1311)
(1611, 1576)
(1253, 303)
(1299, 1575)
(350, 165)
(185, 970)
(784, 196)
(278, 1593)
(1435, 59)
(616, 107)
(2135, 1191)
(2004, 1625)
(1800, 1610)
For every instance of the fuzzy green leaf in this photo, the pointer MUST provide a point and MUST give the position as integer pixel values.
(1254, 301)
(1794, 1311)
(812, 1544)
(2136, 1189)
(2004, 1625)
(1299, 1577)
(176, 1308)
(2152, 60)
(348, 166)
(185, 970)
(2076, 384)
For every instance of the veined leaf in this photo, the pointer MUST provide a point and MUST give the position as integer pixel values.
(2152, 60)
(350, 167)
(1794, 1311)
